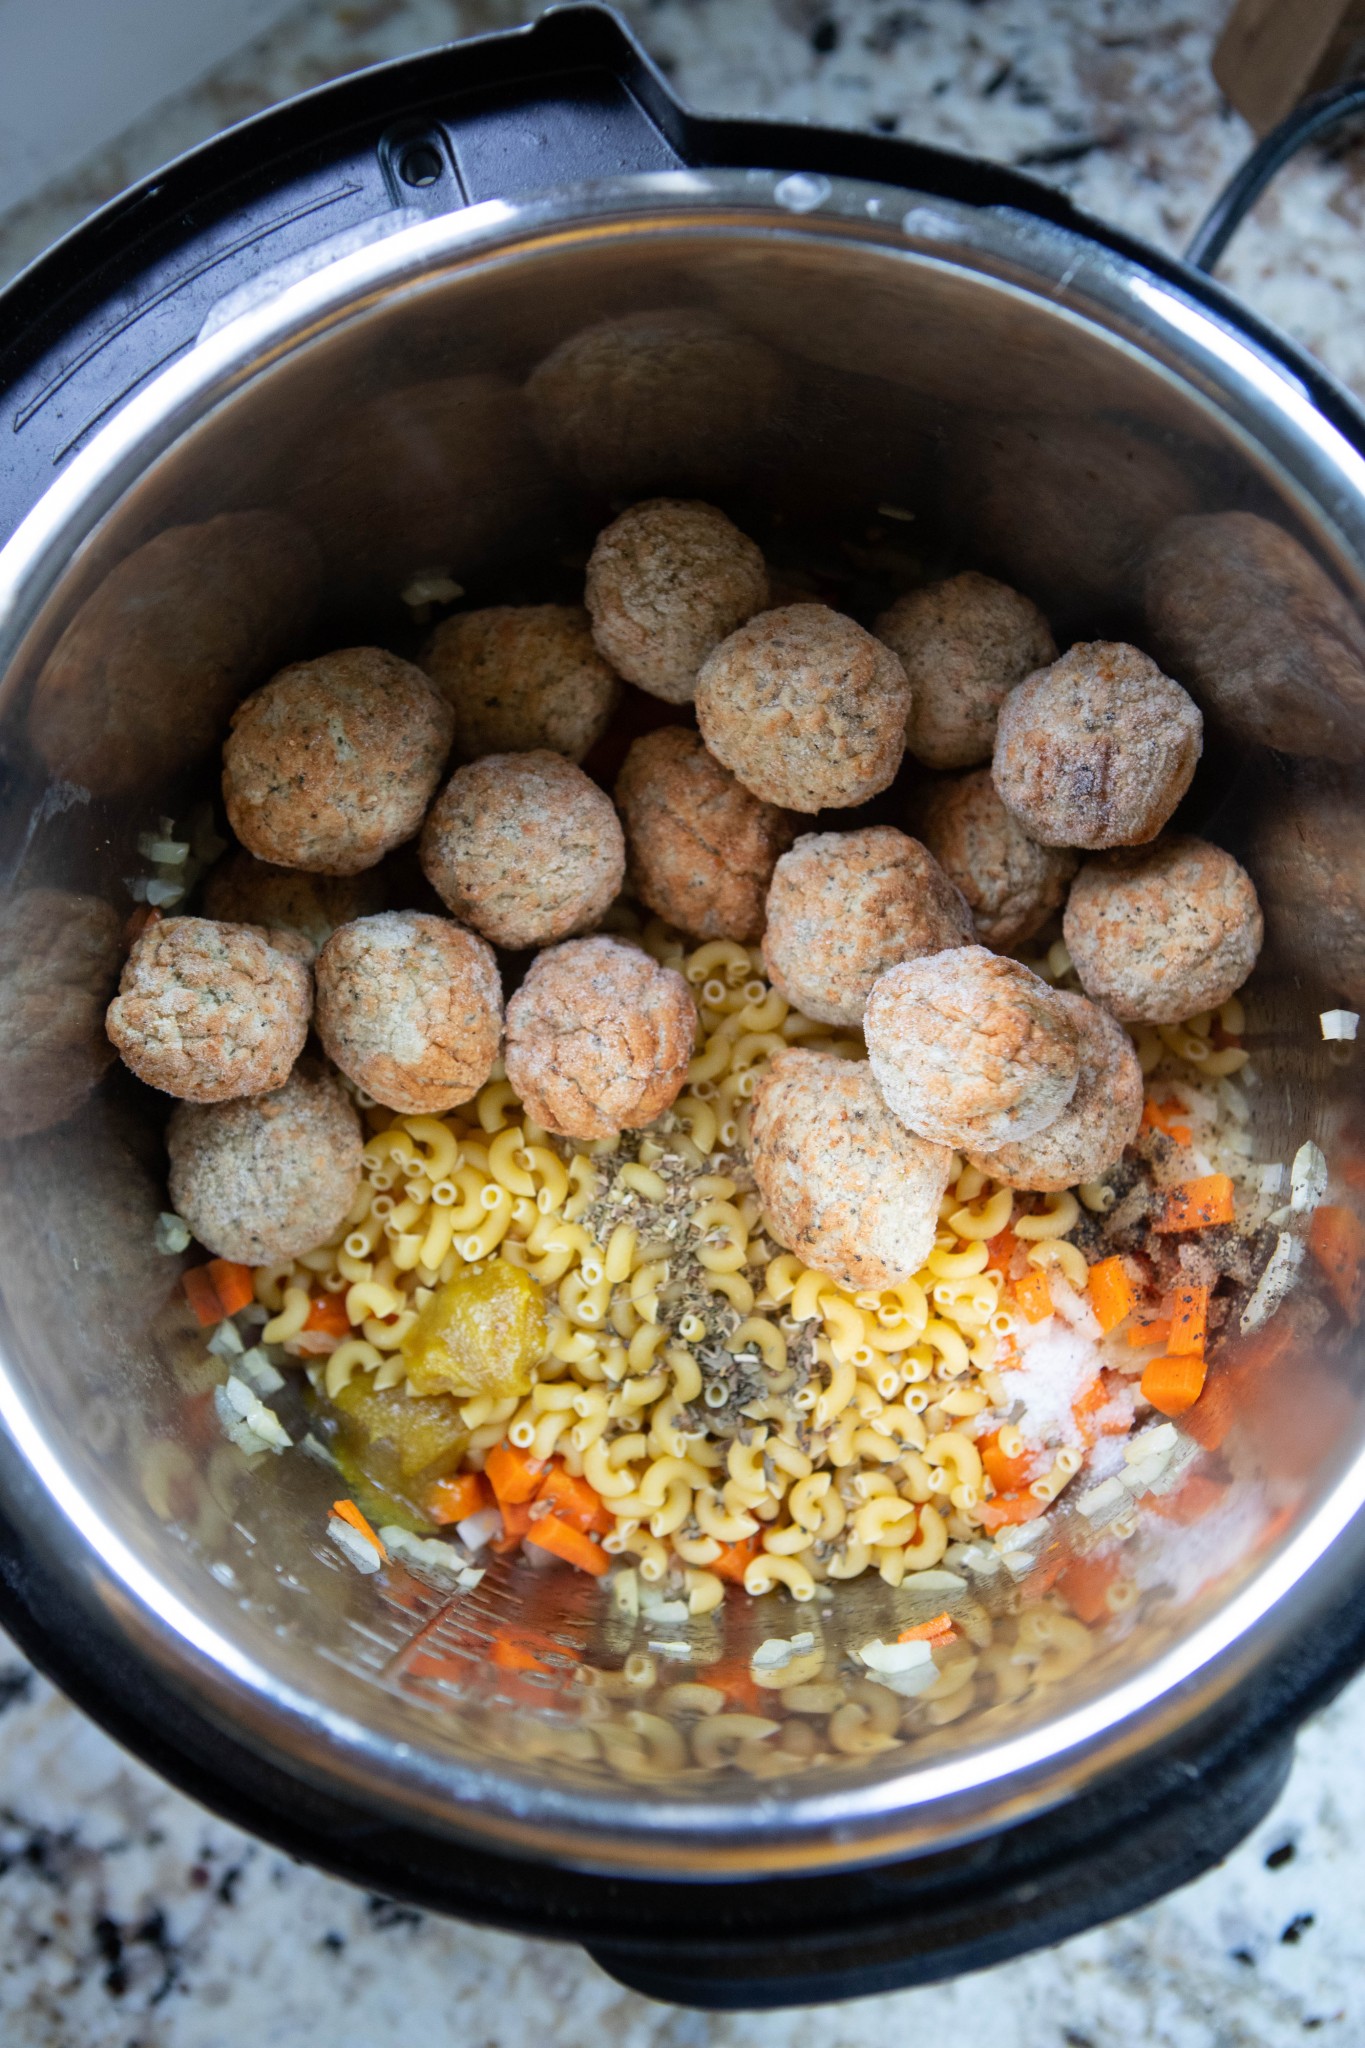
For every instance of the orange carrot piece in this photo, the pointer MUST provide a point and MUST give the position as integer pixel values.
(1174, 1384)
(1005, 1510)
(733, 1677)
(1034, 1295)
(511, 1651)
(1189, 1320)
(938, 1630)
(1154, 1330)
(451, 1499)
(202, 1295)
(734, 1560)
(1111, 1293)
(1192, 1500)
(1007, 1475)
(516, 1520)
(561, 1539)
(1000, 1250)
(1197, 1204)
(327, 1313)
(1164, 1116)
(233, 1284)
(575, 1502)
(513, 1475)
(1336, 1238)
(1084, 1585)
(1091, 1404)
(349, 1512)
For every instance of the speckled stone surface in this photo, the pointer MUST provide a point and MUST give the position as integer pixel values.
(129, 1918)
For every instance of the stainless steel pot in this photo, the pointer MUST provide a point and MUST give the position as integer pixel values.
(1024, 392)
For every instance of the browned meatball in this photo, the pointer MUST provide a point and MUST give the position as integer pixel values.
(333, 763)
(1101, 1118)
(845, 906)
(271, 1176)
(210, 1011)
(599, 1037)
(1163, 934)
(1098, 749)
(805, 708)
(288, 902)
(1244, 615)
(525, 848)
(1310, 866)
(701, 848)
(667, 582)
(1011, 883)
(522, 676)
(654, 399)
(963, 643)
(971, 1049)
(59, 955)
(844, 1185)
(410, 1008)
(140, 685)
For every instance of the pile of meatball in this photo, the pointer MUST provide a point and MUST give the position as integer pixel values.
(1055, 778)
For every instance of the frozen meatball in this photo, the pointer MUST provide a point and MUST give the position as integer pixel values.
(334, 762)
(701, 848)
(1011, 883)
(1310, 864)
(59, 955)
(971, 1049)
(525, 848)
(291, 905)
(141, 683)
(599, 1037)
(1163, 934)
(1098, 749)
(964, 644)
(1101, 1118)
(520, 676)
(844, 1185)
(271, 1176)
(210, 1011)
(655, 399)
(410, 1009)
(805, 708)
(667, 582)
(845, 906)
(1244, 615)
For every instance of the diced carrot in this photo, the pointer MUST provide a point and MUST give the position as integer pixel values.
(1006, 1475)
(734, 1560)
(1189, 1320)
(511, 1651)
(1174, 1384)
(327, 1314)
(232, 1284)
(1111, 1293)
(513, 1474)
(349, 1512)
(733, 1677)
(1084, 1585)
(561, 1539)
(1190, 1501)
(1000, 1250)
(1091, 1404)
(516, 1520)
(1154, 1329)
(939, 1630)
(1164, 1116)
(202, 1295)
(1336, 1238)
(575, 1502)
(1197, 1204)
(1034, 1295)
(451, 1499)
(1005, 1510)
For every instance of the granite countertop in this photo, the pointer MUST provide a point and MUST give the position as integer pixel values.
(130, 1918)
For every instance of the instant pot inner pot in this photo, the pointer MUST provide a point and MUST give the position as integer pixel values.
(873, 419)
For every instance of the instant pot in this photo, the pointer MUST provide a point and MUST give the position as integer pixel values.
(282, 396)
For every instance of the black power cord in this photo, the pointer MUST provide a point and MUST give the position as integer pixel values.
(1312, 118)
